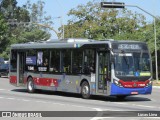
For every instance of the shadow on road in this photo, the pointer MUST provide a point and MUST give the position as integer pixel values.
(99, 98)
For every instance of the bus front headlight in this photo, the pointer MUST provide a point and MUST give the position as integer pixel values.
(117, 83)
(149, 83)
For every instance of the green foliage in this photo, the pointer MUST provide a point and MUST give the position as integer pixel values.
(16, 24)
(93, 22)
(34, 36)
(9, 8)
(37, 13)
(3, 33)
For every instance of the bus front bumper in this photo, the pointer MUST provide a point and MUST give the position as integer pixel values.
(116, 90)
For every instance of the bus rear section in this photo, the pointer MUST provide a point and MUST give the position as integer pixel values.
(17, 68)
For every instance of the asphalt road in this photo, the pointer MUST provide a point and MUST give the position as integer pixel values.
(18, 99)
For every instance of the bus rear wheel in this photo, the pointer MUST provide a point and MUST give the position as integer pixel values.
(30, 85)
(85, 90)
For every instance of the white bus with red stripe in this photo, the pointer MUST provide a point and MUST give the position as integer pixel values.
(88, 67)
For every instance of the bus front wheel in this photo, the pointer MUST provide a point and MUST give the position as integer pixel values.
(30, 85)
(85, 90)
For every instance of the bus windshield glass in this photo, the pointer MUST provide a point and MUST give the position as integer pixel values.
(132, 64)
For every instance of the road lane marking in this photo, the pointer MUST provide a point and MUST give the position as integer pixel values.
(25, 100)
(97, 109)
(112, 110)
(10, 98)
(144, 106)
(154, 100)
(101, 114)
(42, 101)
(2, 89)
(121, 103)
(139, 105)
(98, 114)
(85, 106)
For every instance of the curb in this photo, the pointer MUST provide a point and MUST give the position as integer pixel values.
(156, 87)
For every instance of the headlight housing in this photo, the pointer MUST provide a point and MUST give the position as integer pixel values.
(149, 83)
(117, 83)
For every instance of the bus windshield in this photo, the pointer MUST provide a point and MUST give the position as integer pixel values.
(132, 64)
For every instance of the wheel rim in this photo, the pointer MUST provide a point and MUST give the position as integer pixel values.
(85, 90)
(30, 85)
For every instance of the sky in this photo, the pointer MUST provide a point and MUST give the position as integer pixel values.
(56, 8)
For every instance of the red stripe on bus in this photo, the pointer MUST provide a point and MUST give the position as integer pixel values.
(132, 84)
(46, 81)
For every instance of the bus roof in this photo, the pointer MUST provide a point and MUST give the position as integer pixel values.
(69, 43)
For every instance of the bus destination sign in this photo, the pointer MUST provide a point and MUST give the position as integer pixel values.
(129, 46)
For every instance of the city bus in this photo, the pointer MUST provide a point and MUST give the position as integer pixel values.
(84, 66)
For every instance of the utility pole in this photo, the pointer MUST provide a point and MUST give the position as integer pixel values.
(122, 5)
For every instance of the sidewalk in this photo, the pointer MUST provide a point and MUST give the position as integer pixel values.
(156, 87)
(156, 84)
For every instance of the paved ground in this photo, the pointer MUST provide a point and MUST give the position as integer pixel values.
(17, 99)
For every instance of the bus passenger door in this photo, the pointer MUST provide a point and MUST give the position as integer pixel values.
(20, 68)
(103, 72)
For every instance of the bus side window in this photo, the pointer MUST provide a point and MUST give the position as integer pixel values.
(66, 61)
(31, 60)
(89, 61)
(77, 58)
(43, 60)
(46, 58)
(54, 61)
(13, 61)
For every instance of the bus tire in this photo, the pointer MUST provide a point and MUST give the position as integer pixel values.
(85, 90)
(30, 85)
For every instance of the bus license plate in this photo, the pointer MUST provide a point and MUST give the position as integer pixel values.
(134, 93)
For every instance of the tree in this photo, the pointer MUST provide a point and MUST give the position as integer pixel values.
(3, 33)
(20, 20)
(93, 22)
(8, 8)
(16, 24)
(34, 36)
(37, 15)
(90, 21)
